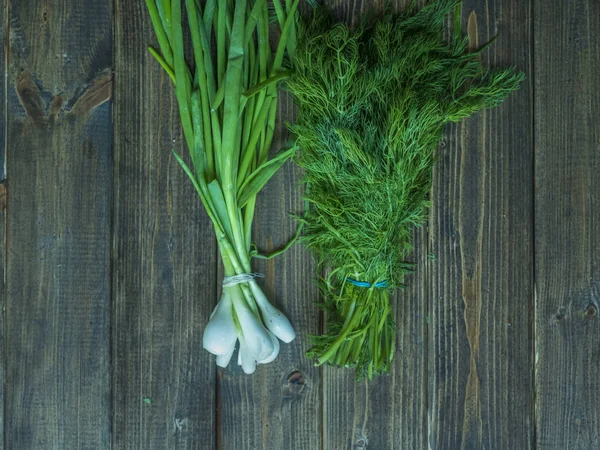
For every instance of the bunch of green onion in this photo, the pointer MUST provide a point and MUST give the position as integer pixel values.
(228, 102)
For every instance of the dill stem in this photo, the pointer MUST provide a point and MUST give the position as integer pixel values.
(328, 355)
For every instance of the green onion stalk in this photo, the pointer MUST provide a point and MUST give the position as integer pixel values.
(227, 100)
(372, 105)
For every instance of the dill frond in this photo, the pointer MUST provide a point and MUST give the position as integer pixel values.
(372, 104)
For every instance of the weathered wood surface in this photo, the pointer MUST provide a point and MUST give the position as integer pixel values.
(111, 269)
(3, 197)
(59, 157)
(481, 233)
(567, 221)
(164, 261)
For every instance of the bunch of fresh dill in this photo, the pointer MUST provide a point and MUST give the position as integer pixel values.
(372, 105)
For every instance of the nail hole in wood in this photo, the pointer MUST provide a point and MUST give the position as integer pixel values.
(561, 314)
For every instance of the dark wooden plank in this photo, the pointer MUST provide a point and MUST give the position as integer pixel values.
(3, 69)
(164, 261)
(279, 407)
(58, 225)
(567, 224)
(481, 232)
(389, 412)
(3, 197)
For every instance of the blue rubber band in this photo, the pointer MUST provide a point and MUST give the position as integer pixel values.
(365, 284)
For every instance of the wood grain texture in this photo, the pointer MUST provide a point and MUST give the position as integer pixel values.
(389, 413)
(3, 198)
(475, 340)
(279, 407)
(481, 233)
(3, 71)
(567, 219)
(164, 261)
(58, 227)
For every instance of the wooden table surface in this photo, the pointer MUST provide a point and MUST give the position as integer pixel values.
(110, 264)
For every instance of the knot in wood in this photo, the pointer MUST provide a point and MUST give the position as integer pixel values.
(362, 443)
(294, 384)
(591, 312)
